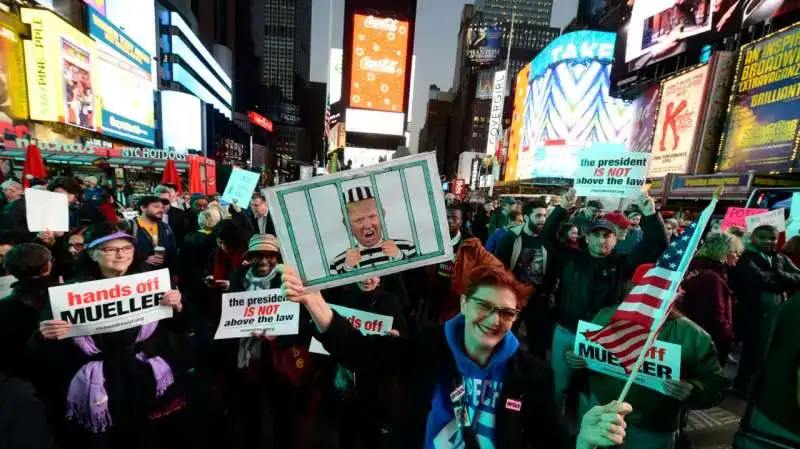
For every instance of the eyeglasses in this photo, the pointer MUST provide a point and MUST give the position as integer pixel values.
(487, 309)
(118, 250)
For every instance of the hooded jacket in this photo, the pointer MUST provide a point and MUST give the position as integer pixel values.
(430, 360)
(588, 284)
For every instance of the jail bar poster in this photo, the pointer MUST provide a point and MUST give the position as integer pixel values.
(662, 361)
(113, 304)
(362, 223)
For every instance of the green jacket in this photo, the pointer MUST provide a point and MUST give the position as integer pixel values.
(652, 410)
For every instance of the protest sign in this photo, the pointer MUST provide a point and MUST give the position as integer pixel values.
(774, 218)
(662, 362)
(611, 173)
(794, 209)
(362, 223)
(46, 211)
(257, 311)
(5, 285)
(368, 323)
(130, 215)
(111, 305)
(735, 216)
(241, 186)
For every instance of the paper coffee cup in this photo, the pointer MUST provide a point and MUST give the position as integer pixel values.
(159, 250)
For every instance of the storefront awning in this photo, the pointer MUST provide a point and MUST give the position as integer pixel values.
(53, 158)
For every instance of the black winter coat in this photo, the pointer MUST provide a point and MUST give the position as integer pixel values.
(422, 360)
(589, 284)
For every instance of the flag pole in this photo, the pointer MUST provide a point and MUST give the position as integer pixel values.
(651, 338)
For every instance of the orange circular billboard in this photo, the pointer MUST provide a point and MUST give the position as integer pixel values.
(378, 70)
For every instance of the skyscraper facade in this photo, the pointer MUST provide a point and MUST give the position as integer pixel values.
(531, 12)
(285, 70)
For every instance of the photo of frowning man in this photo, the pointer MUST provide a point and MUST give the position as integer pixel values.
(365, 224)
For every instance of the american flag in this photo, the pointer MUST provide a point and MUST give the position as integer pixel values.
(644, 309)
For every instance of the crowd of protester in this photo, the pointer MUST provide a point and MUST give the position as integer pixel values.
(500, 318)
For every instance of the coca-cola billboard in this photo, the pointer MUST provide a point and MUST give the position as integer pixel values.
(378, 66)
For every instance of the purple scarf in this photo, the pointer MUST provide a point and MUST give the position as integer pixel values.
(87, 399)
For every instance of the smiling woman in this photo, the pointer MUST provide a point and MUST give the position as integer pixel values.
(471, 384)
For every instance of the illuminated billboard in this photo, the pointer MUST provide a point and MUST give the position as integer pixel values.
(58, 62)
(645, 108)
(137, 20)
(124, 88)
(378, 69)
(97, 5)
(567, 98)
(186, 110)
(762, 129)
(677, 125)
(483, 44)
(13, 94)
(658, 29)
(515, 135)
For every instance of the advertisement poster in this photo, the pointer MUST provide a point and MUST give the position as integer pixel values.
(125, 85)
(515, 149)
(113, 304)
(13, 92)
(611, 173)
(682, 100)
(58, 64)
(378, 72)
(762, 126)
(496, 112)
(645, 107)
(662, 361)
(368, 323)
(483, 85)
(362, 223)
(259, 311)
(99, 5)
(483, 44)
(335, 75)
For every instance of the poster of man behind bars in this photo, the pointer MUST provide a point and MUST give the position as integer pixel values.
(353, 225)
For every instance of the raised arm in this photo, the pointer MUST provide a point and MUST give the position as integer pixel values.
(382, 355)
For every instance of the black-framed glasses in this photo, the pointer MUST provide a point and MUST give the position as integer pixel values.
(486, 308)
(108, 251)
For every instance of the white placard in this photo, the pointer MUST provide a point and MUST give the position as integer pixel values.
(774, 218)
(662, 362)
(368, 323)
(46, 211)
(611, 173)
(257, 311)
(111, 305)
(5, 285)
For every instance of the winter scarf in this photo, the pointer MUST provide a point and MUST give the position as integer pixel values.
(87, 399)
(250, 348)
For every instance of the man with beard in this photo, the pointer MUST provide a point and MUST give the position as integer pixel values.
(365, 224)
(523, 253)
(760, 282)
(151, 232)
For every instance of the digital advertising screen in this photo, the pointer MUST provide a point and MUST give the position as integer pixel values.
(137, 19)
(378, 70)
(364, 157)
(483, 44)
(186, 110)
(124, 84)
(764, 113)
(568, 95)
(681, 108)
(58, 63)
(645, 108)
(658, 29)
(98, 5)
(13, 92)
(484, 84)
(515, 134)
